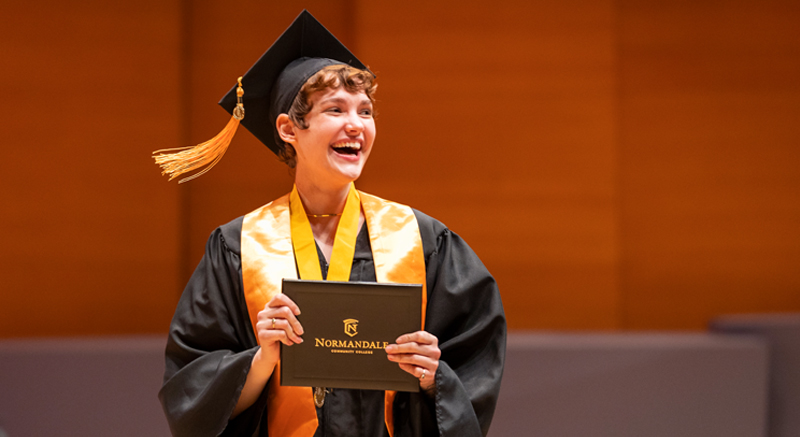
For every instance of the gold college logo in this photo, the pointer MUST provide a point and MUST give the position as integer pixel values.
(351, 327)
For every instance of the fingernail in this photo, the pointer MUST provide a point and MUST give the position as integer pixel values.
(300, 340)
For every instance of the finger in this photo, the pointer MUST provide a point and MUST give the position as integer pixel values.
(267, 324)
(283, 338)
(281, 299)
(291, 328)
(270, 336)
(421, 337)
(281, 325)
(415, 360)
(426, 377)
(281, 313)
(416, 371)
(427, 350)
(287, 314)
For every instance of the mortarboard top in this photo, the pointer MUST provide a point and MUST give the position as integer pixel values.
(272, 83)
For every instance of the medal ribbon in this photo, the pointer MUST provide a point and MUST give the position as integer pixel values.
(344, 243)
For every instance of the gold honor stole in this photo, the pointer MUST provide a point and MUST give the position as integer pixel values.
(268, 256)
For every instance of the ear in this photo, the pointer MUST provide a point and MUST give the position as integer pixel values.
(286, 129)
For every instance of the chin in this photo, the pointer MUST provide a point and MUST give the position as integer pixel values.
(351, 177)
(351, 174)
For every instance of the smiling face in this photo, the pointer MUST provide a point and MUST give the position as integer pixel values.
(334, 147)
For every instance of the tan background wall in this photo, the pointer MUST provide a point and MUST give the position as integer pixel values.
(90, 231)
(617, 165)
(709, 159)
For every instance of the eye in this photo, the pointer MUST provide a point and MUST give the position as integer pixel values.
(367, 112)
(334, 109)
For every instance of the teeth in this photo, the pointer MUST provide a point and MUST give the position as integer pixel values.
(353, 145)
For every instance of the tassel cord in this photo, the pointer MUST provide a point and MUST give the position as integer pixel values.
(187, 159)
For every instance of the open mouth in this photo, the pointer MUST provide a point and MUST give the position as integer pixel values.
(351, 148)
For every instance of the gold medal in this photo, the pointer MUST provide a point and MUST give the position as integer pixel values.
(319, 396)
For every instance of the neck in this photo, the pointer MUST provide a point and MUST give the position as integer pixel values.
(319, 199)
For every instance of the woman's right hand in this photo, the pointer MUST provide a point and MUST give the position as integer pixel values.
(277, 322)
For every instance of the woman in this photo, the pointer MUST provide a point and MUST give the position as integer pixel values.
(223, 351)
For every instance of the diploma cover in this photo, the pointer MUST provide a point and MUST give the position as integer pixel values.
(346, 327)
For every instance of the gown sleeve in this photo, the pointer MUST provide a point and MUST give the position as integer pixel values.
(210, 347)
(465, 313)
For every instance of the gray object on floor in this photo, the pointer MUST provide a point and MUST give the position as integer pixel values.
(782, 334)
(619, 385)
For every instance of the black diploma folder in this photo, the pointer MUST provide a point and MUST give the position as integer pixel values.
(346, 327)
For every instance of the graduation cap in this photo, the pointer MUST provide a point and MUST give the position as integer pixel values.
(272, 83)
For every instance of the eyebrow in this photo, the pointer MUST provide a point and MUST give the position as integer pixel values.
(339, 100)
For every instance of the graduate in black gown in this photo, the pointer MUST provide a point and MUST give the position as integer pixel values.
(312, 104)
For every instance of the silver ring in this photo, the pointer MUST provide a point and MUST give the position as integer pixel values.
(273, 323)
(423, 374)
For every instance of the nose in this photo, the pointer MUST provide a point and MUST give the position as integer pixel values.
(354, 124)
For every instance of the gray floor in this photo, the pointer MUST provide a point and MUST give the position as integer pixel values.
(555, 384)
(687, 385)
(82, 387)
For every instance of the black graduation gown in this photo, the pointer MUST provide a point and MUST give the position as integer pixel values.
(211, 344)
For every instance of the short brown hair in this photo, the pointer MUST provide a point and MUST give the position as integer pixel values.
(332, 76)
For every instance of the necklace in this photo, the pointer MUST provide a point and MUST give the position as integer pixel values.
(323, 215)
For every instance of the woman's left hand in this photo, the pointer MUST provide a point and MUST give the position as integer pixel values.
(418, 354)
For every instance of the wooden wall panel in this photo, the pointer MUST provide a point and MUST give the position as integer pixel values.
(499, 119)
(615, 164)
(89, 89)
(710, 211)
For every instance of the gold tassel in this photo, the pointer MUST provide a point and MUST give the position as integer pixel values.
(187, 159)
